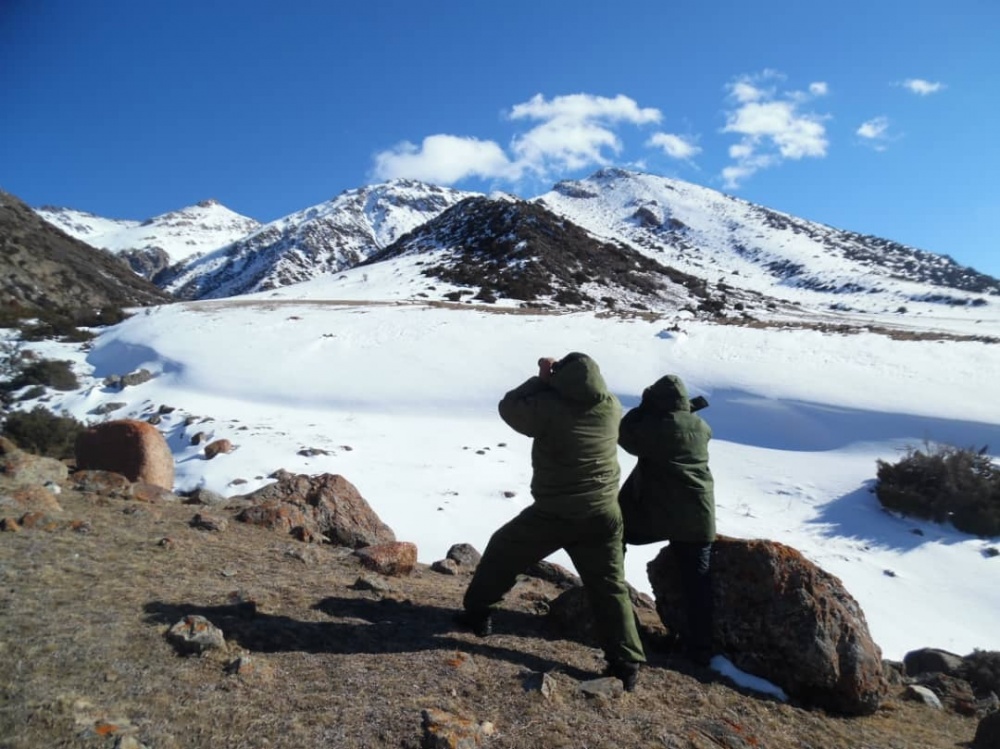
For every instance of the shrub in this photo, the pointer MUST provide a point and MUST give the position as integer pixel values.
(944, 483)
(42, 432)
(48, 372)
(982, 670)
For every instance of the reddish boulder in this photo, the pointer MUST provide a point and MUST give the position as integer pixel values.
(132, 448)
(395, 559)
(217, 447)
(781, 617)
(326, 505)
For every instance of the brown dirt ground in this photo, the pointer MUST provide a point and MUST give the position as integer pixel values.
(84, 661)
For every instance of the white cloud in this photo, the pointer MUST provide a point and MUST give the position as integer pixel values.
(573, 132)
(875, 132)
(772, 127)
(674, 146)
(922, 87)
(874, 128)
(583, 108)
(444, 159)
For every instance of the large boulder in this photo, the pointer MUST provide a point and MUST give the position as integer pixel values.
(779, 616)
(135, 449)
(326, 507)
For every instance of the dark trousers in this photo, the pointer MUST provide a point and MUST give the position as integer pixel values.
(594, 544)
(695, 571)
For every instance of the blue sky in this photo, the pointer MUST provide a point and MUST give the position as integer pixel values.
(878, 117)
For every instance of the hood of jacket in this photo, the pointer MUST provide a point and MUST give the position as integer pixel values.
(577, 377)
(667, 394)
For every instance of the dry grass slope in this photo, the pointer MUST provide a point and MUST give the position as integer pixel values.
(84, 661)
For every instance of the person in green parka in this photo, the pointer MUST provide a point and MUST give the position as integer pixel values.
(573, 419)
(670, 496)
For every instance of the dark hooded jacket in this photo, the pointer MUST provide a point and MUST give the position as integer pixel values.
(573, 420)
(670, 493)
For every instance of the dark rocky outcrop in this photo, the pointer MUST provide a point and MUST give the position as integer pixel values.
(781, 617)
(43, 269)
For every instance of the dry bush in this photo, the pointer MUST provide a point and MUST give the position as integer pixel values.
(42, 432)
(944, 483)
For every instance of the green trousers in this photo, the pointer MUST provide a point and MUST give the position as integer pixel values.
(594, 543)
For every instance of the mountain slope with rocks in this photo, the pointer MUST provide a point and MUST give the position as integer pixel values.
(44, 269)
(152, 245)
(517, 251)
(721, 238)
(320, 240)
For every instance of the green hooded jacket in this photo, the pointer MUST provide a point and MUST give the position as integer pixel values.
(670, 493)
(573, 420)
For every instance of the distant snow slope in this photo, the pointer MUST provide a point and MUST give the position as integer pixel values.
(725, 239)
(323, 239)
(178, 235)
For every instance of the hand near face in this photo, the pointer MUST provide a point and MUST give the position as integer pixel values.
(545, 368)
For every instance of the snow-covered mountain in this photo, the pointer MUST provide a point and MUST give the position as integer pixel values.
(152, 245)
(506, 250)
(725, 239)
(711, 252)
(320, 240)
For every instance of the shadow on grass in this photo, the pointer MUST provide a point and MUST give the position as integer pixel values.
(368, 626)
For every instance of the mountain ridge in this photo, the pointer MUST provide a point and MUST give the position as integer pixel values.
(745, 250)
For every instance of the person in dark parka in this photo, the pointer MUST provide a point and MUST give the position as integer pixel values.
(573, 420)
(669, 495)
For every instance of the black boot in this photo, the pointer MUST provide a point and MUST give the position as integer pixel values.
(626, 671)
(480, 622)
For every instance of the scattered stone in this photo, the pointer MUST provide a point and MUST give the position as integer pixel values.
(462, 662)
(106, 408)
(167, 543)
(154, 419)
(135, 449)
(218, 447)
(509, 494)
(540, 682)
(194, 634)
(955, 694)
(394, 559)
(445, 567)
(464, 555)
(203, 496)
(444, 730)
(164, 410)
(781, 617)
(312, 452)
(198, 437)
(553, 573)
(991, 551)
(209, 523)
(104, 483)
(607, 687)
(237, 482)
(373, 584)
(29, 499)
(136, 378)
(143, 492)
(922, 694)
